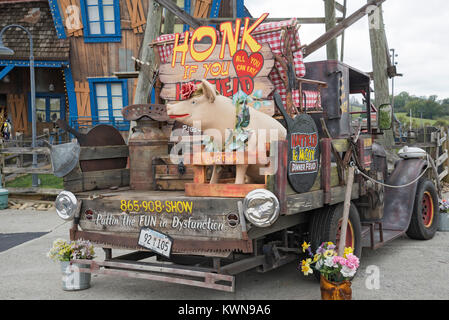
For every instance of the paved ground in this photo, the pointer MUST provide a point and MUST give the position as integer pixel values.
(406, 269)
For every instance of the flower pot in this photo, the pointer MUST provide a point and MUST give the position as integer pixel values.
(72, 279)
(335, 290)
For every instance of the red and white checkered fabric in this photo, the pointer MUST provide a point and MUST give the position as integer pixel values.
(310, 99)
(271, 34)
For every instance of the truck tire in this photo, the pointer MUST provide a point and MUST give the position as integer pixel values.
(426, 212)
(325, 226)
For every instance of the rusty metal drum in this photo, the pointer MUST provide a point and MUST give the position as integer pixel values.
(147, 141)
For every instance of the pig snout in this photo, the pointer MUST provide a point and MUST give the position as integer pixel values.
(177, 111)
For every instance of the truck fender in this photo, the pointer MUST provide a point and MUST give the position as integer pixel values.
(398, 202)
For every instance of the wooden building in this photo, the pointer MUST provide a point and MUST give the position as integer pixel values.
(51, 56)
(79, 47)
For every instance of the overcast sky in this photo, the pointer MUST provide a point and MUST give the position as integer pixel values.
(418, 30)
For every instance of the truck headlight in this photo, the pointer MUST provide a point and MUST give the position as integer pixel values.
(261, 207)
(65, 205)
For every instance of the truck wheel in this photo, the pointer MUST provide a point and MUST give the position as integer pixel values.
(426, 212)
(326, 226)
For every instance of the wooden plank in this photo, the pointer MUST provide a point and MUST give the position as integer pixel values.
(340, 145)
(443, 174)
(442, 158)
(26, 150)
(338, 193)
(220, 190)
(104, 152)
(202, 8)
(199, 174)
(331, 46)
(19, 112)
(27, 170)
(33, 190)
(98, 180)
(304, 20)
(340, 28)
(177, 11)
(225, 158)
(304, 202)
(173, 184)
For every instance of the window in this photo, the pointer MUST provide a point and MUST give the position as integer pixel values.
(101, 20)
(108, 97)
(49, 107)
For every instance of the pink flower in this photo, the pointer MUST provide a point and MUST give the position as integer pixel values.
(340, 260)
(352, 261)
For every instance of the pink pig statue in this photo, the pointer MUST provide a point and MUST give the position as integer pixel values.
(217, 115)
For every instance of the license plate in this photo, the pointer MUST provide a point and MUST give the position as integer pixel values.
(155, 241)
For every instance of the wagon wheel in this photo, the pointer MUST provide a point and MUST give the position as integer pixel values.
(426, 211)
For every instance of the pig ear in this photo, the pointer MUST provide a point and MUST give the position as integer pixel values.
(209, 91)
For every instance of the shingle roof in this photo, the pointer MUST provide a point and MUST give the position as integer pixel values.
(37, 18)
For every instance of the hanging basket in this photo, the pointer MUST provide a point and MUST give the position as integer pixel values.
(335, 291)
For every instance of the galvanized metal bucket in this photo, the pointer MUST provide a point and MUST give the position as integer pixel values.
(72, 279)
(444, 222)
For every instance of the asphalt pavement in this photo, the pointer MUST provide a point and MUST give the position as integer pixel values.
(402, 269)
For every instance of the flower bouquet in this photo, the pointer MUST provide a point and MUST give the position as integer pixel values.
(64, 252)
(335, 271)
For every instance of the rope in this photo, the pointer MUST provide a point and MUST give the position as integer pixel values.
(358, 171)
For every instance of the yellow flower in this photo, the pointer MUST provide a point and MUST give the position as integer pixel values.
(305, 268)
(329, 253)
(316, 257)
(305, 246)
(330, 243)
(348, 251)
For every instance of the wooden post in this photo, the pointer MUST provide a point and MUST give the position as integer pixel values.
(446, 147)
(347, 206)
(169, 21)
(331, 21)
(380, 64)
(146, 74)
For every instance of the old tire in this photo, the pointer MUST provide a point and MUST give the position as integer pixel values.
(426, 212)
(325, 226)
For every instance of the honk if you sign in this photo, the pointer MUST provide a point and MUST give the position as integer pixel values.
(230, 58)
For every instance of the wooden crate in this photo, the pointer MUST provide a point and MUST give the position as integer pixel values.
(225, 188)
(78, 181)
(166, 176)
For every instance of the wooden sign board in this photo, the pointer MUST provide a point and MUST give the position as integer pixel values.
(226, 65)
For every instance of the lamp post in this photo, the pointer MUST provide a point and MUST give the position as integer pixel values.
(7, 51)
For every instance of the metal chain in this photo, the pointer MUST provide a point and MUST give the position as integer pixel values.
(358, 171)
